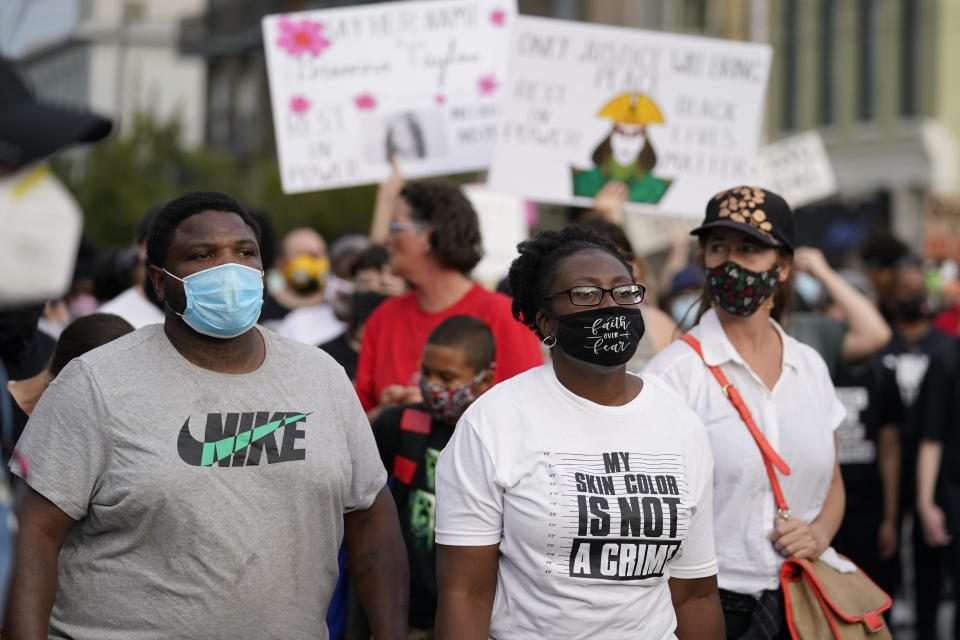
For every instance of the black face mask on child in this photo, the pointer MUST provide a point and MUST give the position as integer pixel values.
(607, 336)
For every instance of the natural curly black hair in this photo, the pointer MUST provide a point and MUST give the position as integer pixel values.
(170, 216)
(455, 230)
(536, 267)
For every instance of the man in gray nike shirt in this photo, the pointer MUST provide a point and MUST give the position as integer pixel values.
(195, 479)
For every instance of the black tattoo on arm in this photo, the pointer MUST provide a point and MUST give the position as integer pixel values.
(364, 565)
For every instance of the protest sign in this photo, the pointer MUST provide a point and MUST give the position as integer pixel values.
(797, 168)
(674, 117)
(351, 86)
(650, 233)
(503, 224)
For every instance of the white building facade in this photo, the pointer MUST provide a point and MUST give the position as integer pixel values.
(120, 58)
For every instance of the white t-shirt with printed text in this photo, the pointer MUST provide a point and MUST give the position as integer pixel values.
(594, 507)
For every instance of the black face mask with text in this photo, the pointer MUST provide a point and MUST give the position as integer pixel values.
(607, 336)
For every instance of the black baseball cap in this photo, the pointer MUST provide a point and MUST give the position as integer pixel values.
(31, 130)
(759, 213)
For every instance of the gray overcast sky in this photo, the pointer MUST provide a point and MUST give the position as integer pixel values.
(27, 23)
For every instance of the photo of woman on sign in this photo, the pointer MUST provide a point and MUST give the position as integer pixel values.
(405, 139)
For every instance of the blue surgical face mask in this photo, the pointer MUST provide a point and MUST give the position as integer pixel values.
(684, 310)
(222, 301)
(807, 287)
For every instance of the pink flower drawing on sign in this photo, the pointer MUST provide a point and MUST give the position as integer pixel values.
(439, 99)
(300, 37)
(487, 84)
(498, 17)
(365, 102)
(299, 104)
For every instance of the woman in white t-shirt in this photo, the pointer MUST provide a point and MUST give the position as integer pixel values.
(574, 500)
(747, 250)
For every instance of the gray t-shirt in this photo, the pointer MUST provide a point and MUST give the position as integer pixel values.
(209, 505)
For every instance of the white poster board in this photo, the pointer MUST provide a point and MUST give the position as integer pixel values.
(650, 233)
(797, 168)
(503, 225)
(675, 117)
(419, 80)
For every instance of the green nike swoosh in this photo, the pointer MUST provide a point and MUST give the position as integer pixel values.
(216, 451)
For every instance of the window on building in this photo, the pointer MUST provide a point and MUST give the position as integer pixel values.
(218, 126)
(535, 7)
(909, 73)
(828, 51)
(695, 15)
(790, 60)
(245, 113)
(867, 17)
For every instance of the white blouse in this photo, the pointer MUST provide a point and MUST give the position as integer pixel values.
(798, 418)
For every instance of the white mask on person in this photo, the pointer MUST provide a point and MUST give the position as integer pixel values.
(41, 225)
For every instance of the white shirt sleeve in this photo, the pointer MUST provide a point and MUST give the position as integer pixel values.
(67, 442)
(671, 369)
(697, 558)
(469, 496)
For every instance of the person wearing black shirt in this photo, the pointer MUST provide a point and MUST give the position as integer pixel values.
(868, 447)
(915, 342)
(457, 366)
(938, 464)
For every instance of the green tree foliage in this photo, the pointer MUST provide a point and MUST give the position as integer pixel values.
(117, 181)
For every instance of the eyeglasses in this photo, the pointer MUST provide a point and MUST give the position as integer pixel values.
(589, 296)
(406, 226)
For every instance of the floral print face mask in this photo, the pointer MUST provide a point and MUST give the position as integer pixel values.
(741, 291)
(447, 404)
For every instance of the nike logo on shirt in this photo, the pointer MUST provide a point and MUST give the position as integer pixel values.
(232, 440)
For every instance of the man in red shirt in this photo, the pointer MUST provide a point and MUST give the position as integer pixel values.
(434, 242)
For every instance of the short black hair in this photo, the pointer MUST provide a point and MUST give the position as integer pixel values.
(537, 263)
(83, 334)
(881, 249)
(455, 234)
(373, 257)
(470, 334)
(179, 209)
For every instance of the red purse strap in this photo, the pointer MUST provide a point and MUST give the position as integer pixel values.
(770, 457)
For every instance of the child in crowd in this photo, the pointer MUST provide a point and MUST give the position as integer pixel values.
(457, 366)
(81, 335)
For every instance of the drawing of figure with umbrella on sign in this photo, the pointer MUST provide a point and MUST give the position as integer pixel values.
(626, 154)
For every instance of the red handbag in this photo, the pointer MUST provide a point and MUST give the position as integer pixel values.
(820, 601)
